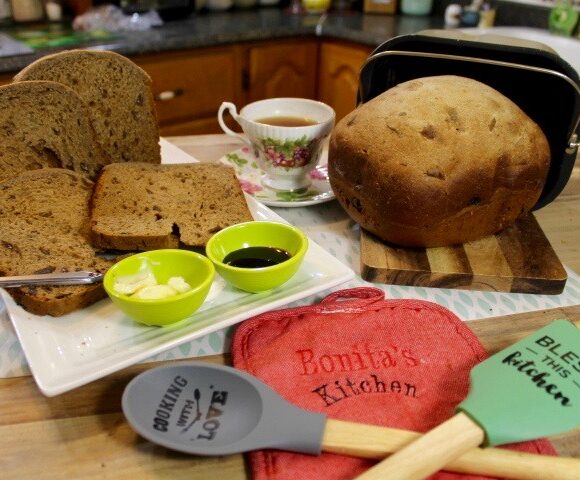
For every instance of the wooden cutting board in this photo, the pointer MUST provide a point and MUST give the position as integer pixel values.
(518, 259)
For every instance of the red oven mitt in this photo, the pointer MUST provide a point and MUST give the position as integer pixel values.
(358, 357)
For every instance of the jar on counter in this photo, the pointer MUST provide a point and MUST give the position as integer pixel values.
(27, 10)
(416, 7)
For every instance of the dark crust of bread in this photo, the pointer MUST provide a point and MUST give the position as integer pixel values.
(437, 161)
(52, 304)
(144, 207)
(44, 227)
(118, 95)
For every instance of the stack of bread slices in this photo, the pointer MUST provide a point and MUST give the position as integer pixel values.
(79, 117)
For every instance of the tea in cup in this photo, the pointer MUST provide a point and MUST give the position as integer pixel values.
(286, 135)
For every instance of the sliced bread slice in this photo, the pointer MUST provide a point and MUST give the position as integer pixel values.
(118, 95)
(136, 206)
(44, 228)
(45, 124)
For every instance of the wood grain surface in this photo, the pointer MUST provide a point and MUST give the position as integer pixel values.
(519, 259)
(82, 434)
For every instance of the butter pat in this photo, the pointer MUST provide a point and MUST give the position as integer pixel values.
(144, 285)
(155, 292)
(129, 284)
(179, 284)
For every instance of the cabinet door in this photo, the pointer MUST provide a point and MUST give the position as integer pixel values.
(281, 69)
(189, 87)
(5, 78)
(339, 74)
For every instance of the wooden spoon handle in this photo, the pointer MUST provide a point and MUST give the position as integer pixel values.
(430, 452)
(370, 441)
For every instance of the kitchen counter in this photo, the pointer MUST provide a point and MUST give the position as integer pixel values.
(82, 434)
(210, 29)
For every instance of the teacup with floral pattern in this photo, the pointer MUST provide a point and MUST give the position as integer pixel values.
(286, 154)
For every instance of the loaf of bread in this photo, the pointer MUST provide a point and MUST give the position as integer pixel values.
(44, 228)
(45, 124)
(137, 206)
(118, 95)
(437, 161)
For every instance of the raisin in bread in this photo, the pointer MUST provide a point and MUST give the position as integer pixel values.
(118, 95)
(44, 228)
(45, 124)
(136, 206)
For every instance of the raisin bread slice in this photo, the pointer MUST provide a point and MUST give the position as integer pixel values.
(136, 206)
(118, 95)
(44, 227)
(45, 124)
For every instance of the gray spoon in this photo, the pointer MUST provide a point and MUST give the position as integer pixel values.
(206, 409)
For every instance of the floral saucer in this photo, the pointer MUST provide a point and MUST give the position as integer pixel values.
(249, 174)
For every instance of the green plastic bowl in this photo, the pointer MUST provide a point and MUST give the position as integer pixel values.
(257, 234)
(195, 268)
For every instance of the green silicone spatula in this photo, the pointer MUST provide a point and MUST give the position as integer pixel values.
(527, 391)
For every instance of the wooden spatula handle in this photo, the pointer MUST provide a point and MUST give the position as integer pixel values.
(431, 452)
(370, 441)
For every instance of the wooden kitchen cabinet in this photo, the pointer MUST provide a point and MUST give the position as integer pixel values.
(340, 64)
(285, 68)
(5, 78)
(189, 87)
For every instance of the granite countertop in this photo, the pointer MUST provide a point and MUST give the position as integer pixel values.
(210, 29)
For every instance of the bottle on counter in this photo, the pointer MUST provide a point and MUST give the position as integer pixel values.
(563, 18)
(452, 15)
(5, 11)
(486, 16)
(53, 9)
(27, 10)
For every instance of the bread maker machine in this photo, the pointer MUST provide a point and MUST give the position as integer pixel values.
(530, 73)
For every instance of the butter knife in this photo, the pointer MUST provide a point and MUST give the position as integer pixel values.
(62, 278)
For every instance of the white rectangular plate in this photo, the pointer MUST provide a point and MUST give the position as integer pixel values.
(69, 351)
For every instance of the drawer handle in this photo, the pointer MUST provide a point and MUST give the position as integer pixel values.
(169, 95)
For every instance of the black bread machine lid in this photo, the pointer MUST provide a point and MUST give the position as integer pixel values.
(531, 74)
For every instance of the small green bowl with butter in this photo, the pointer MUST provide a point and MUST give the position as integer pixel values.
(243, 237)
(160, 287)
